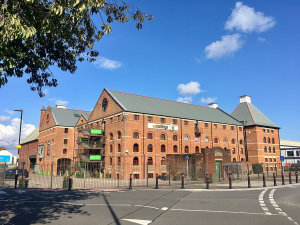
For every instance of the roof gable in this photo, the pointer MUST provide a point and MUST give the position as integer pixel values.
(251, 115)
(161, 107)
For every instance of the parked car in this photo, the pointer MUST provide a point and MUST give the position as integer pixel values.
(10, 173)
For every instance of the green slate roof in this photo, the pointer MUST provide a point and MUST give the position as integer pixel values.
(67, 117)
(248, 112)
(161, 107)
(34, 135)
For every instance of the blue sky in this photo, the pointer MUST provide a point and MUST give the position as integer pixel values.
(192, 51)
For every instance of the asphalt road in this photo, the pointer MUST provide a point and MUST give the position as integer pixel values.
(279, 205)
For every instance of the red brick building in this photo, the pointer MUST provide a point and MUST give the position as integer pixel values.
(125, 132)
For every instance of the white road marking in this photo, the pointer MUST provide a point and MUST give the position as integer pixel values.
(146, 206)
(200, 210)
(3, 193)
(20, 191)
(262, 203)
(141, 222)
(164, 208)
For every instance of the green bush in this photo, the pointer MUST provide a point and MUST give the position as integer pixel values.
(257, 168)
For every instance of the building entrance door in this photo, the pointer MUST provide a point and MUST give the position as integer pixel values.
(218, 169)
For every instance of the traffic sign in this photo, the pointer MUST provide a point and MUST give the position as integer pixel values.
(281, 158)
(187, 158)
(4, 158)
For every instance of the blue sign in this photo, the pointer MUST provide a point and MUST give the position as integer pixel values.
(4, 158)
(187, 158)
(281, 158)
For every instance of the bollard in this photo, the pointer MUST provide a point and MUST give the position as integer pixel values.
(130, 182)
(156, 187)
(282, 177)
(16, 180)
(182, 181)
(296, 174)
(70, 183)
(249, 185)
(274, 178)
(264, 180)
(230, 184)
(207, 182)
(290, 178)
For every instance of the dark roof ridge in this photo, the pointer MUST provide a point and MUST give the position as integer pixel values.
(161, 99)
(250, 113)
(230, 116)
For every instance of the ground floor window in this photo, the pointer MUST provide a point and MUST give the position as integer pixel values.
(63, 165)
(136, 176)
(150, 175)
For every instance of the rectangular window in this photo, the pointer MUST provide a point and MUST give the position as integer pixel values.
(150, 175)
(206, 124)
(66, 130)
(110, 148)
(174, 121)
(186, 122)
(136, 117)
(111, 119)
(215, 126)
(206, 140)
(272, 131)
(232, 127)
(119, 117)
(196, 139)
(162, 120)
(150, 118)
(224, 127)
(65, 141)
(290, 153)
(136, 176)
(240, 128)
(274, 159)
(266, 159)
(65, 151)
(270, 160)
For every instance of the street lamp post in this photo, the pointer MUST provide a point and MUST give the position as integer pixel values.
(19, 147)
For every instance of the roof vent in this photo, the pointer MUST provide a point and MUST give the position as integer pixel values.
(61, 106)
(213, 105)
(245, 98)
(76, 115)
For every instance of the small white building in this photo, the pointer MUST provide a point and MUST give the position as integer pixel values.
(6, 156)
(291, 152)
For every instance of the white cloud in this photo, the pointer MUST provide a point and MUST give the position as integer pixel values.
(189, 89)
(4, 119)
(208, 100)
(244, 18)
(226, 47)
(185, 99)
(105, 63)
(52, 99)
(61, 102)
(261, 39)
(9, 111)
(9, 135)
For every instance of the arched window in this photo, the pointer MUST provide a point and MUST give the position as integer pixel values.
(241, 151)
(163, 161)
(216, 140)
(135, 148)
(111, 137)
(162, 148)
(269, 141)
(265, 149)
(175, 148)
(241, 141)
(48, 148)
(149, 148)
(47, 121)
(119, 135)
(110, 161)
(197, 149)
(234, 160)
(233, 150)
(149, 136)
(233, 141)
(242, 159)
(136, 135)
(273, 141)
(119, 148)
(225, 140)
(135, 161)
(175, 137)
(119, 161)
(273, 149)
(162, 137)
(186, 138)
(150, 161)
(264, 140)
(225, 148)
(270, 150)
(186, 149)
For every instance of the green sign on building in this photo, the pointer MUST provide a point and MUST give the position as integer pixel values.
(95, 157)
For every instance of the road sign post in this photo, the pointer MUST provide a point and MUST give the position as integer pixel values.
(187, 169)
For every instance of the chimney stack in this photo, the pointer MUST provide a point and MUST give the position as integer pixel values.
(245, 98)
(213, 105)
(43, 112)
